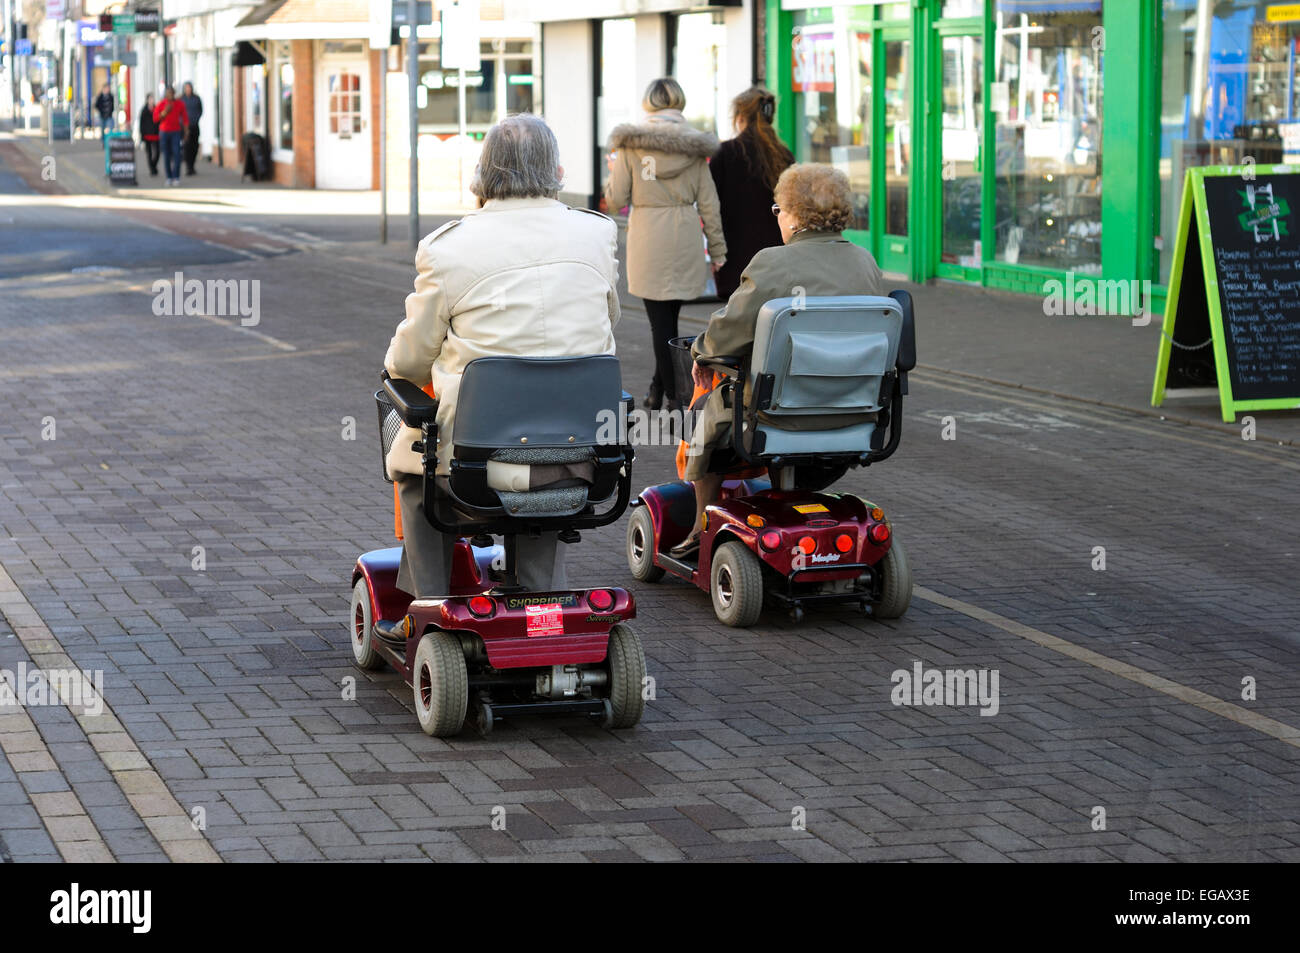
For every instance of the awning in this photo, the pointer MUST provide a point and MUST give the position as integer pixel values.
(246, 54)
(306, 20)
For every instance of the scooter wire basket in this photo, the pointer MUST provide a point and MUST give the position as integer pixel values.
(683, 365)
(389, 424)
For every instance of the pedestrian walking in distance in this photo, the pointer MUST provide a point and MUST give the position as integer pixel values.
(745, 172)
(194, 110)
(105, 105)
(660, 168)
(149, 134)
(172, 122)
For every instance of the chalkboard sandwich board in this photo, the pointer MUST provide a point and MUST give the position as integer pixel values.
(121, 160)
(1232, 318)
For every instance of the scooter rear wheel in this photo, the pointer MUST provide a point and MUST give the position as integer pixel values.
(896, 586)
(626, 661)
(736, 584)
(440, 684)
(641, 547)
(362, 623)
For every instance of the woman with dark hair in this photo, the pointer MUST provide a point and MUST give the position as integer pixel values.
(744, 172)
(149, 134)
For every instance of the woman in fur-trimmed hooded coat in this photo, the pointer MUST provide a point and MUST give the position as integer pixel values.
(660, 168)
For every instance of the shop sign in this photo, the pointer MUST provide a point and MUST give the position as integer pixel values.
(1283, 13)
(89, 34)
(813, 63)
(1232, 318)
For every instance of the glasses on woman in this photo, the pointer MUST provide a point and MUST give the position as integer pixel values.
(776, 209)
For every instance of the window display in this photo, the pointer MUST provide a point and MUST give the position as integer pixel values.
(1230, 81)
(831, 79)
(1046, 103)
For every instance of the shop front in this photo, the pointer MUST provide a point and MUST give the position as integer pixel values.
(970, 130)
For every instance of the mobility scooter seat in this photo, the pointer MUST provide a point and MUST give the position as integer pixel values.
(821, 372)
(526, 444)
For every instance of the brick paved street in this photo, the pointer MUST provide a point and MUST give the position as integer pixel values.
(1120, 689)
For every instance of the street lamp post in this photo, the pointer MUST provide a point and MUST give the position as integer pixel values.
(413, 84)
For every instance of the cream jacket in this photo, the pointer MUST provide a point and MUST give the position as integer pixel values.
(661, 170)
(527, 277)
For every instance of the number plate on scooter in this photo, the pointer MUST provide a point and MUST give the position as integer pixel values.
(547, 619)
(810, 508)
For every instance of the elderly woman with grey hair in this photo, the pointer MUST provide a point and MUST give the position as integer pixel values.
(523, 275)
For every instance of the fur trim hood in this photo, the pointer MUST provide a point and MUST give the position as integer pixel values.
(673, 138)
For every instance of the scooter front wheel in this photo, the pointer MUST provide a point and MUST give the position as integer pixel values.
(440, 684)
(363, 636)
(641, 547)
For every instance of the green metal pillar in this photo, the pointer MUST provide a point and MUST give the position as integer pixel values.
(1129, 138)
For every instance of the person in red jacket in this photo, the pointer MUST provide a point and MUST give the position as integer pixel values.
(172, 122)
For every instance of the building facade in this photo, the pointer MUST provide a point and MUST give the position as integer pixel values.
(982, 145)
(597, 57)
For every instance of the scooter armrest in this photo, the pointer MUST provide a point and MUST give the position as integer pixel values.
(414, 406)
(726, 366)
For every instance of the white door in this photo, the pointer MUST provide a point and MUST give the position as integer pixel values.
(343, 153)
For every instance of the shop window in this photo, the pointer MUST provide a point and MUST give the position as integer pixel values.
(1230, 93)
(699, 64)
(255, 115)
(1046, 103)
(620, 99)
(831, 81)
(520, 84)
(284, 96)
(344, 103)
(966, 8)
(897, 79)
(501, 86)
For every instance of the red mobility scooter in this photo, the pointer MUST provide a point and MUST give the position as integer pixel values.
(489, 643)
(842, 361)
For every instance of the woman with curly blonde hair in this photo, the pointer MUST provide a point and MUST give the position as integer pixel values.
(813, 206)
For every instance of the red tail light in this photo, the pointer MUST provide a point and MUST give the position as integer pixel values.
(482, 606)
(602, 600)
(771, 540)
(844, 542)
(878, 533)
(808, 545)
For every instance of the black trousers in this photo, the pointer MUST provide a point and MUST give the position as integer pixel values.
(191, 147)
(152, 150)
(663, 328)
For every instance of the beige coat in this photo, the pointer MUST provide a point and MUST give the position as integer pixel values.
(661, 171)
(529, 277)
(822, 263)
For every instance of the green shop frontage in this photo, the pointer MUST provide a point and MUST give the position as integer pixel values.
(981, 145)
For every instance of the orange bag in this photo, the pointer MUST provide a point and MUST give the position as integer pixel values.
(742, 473)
